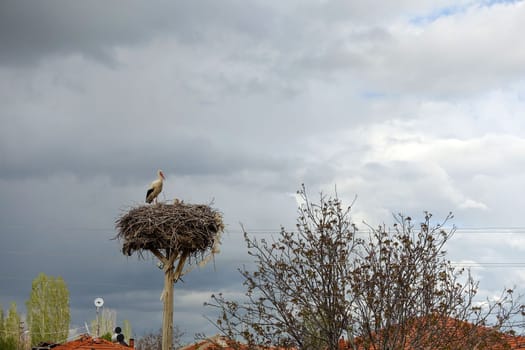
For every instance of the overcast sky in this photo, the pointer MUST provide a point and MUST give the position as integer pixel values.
(409, 105)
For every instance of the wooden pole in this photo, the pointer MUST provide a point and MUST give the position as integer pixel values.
(171, 275)
(167, 317)
(168, 262)
(167, 297)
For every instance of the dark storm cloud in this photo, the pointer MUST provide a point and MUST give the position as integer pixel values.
(132, 163)
(92, 266)
(31, 30)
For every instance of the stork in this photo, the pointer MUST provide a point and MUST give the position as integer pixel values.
(155, 188)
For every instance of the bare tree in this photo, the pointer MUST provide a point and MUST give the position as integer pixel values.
(153, 341)
(407, 293)
(388, 289)
(298, 295)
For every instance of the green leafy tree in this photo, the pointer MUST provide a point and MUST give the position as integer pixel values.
(106, 323)
(126, 329)
(8, 343)
(2, 330)
(106, 336)
(10, 329)
(48, 311)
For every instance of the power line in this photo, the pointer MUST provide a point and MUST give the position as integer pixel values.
(44, 333)
(467, 230)
(68, 282)
(260, 229)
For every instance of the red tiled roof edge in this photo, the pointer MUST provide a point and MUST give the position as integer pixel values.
(85, 341)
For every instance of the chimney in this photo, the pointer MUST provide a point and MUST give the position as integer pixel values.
(132, 343)
(342, 343)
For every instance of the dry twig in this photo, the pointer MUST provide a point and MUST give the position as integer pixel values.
(189, 229)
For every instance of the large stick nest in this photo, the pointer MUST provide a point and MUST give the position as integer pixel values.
(185, 228)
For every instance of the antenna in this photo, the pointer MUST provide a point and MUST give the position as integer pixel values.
(99, 302)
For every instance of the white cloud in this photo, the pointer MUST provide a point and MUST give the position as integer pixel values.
(456, 55)
(472, 204)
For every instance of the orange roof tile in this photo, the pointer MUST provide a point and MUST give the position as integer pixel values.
(220, 342)
(455, 332)
(86, 342)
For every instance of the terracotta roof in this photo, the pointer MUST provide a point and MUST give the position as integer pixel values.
(458, 334)
(213, 343)
(86, 342)
(435, 333)
(219, 342)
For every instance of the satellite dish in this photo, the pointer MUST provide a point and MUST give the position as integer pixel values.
(99, 302)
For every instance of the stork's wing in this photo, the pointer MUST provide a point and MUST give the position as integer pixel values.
(149, 200)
